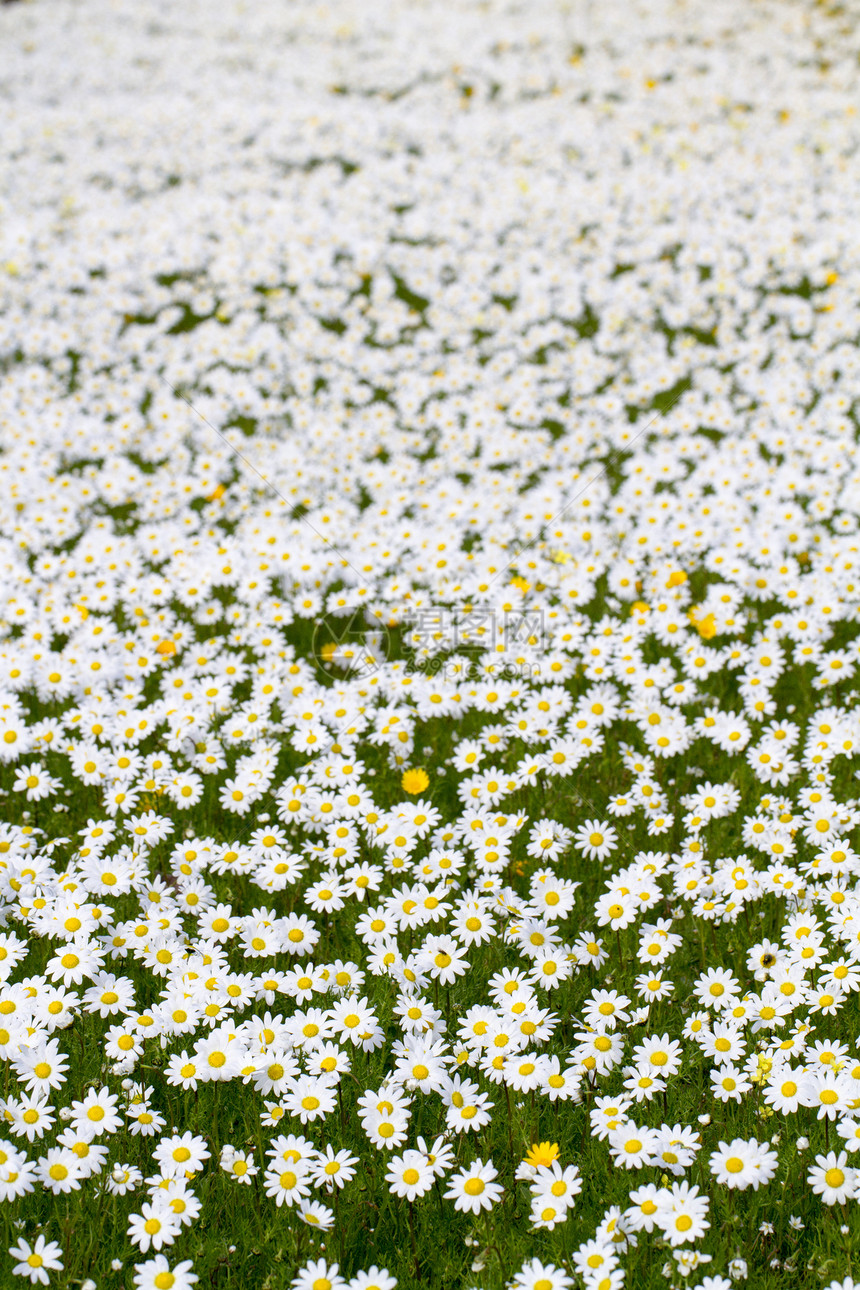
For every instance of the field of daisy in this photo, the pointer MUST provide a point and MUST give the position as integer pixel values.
(429, 644)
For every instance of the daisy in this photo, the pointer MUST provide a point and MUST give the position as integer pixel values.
(468, 1113)
(352, 1018)
(333, 1169)
(681, 1214)
(589, 951)
(849, 1131)
(742, 1163)
(277, 1070)
(315, 1215)
(155, 1225)
(319, 1274)
(724, 1044)
(616, 911)
(557, 1083)
(97, 1112)
(145, 1122)
(238, 1164)
(35, 782)
(832, 1178)
(676, 1148)
(547, 1213)
(17, 1175)
(783, 1090)
(641, 1085)
(442, 960)
(559, 1184)
(660, 1053)
(123, 1178)
(473, 1188)
(30, 1117)
(60, 1170)
(729, 1084)
(156, 1274)
(91, 1156)
(181, 1200)
(183, 1071)
(598, 1051)
(287, 1182)
(42, 1067)
(829, 1092)
(310, 1098)
(632, 1146)
(717, 988)
(218, 1056)
(641, 1214)
(410, 1175)
(439, 1155)
(595, 839)
(534, 1275)
(606, 1008)
(373, 1279)
(37, 1260)
(595, 1260)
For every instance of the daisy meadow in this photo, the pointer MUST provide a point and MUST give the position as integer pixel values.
(429, 644)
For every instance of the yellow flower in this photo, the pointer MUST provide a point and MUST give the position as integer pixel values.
(764, 1065)
(165, 648)
(706, 627)
(414, 781)
(542, 1154)
(677, 579)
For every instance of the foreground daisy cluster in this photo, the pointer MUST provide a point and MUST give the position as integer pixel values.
(428, 645)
